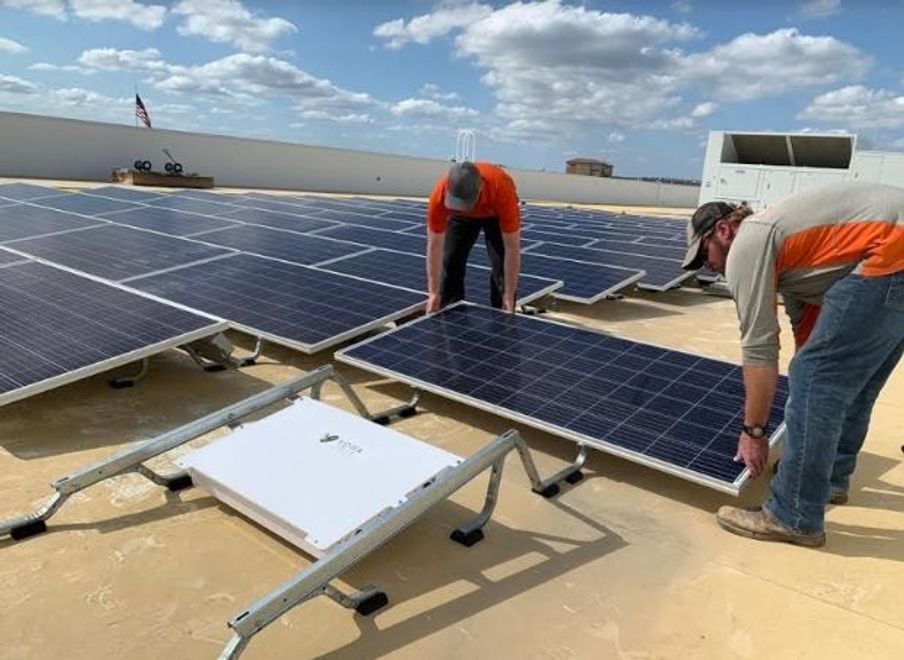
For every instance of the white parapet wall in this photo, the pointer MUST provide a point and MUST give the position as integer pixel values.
(35, 146)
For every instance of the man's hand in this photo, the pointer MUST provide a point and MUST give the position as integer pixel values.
(754, 452)
(432, 302)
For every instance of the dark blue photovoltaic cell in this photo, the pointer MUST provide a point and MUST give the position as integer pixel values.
(168, 221)
(408, 270)
(23, 221)
(363, 219)
(587, 282)
(55, 322)
(278, 219)
(180, 203)
(659, 272)
(124, 194)
(297, 248)
(84, 204)
(117, 253)
(293, 303)
(388, 240)
(563, 238)
(25, 191)
(646, 401)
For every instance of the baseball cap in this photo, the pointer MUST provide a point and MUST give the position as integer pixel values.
(462, 187)
(700, 224)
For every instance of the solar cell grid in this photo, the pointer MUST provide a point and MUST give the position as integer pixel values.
(124, 194)
(297, 306)
(115, 252)
(288, 246)
(24, 221)
(675, 411)
(168, 221)
(180, 203)
(25, 191)
(292, 221)
(60, 326)
(83, 204)
(362, 219)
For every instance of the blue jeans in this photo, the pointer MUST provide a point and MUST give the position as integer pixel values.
(834, 381)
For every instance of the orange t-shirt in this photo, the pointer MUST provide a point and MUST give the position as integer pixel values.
(498, 199)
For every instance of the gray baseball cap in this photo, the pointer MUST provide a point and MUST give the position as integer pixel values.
(462, 187)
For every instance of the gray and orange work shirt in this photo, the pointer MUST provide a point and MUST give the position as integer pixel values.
(498, 199)
(800, 247)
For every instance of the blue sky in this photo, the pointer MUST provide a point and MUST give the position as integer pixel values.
(637, 83)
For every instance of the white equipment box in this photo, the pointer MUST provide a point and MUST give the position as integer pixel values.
(314, 474)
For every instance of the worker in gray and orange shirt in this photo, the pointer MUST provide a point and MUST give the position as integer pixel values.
(471, 198)
(836, 255)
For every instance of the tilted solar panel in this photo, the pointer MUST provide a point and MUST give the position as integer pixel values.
(25, 221)
(677, 412)
(288, 246)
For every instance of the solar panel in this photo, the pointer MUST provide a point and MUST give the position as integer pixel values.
(7, 257)
(58, 327)
(297, 306)
(362, 219)
(123, 194)
(288, 246)
(25, 221)
(168, 221)
(117, 253)
(409, 270)
(661, 274)
(277, 219)
(562, 238)
(180, 203)
(388, 240)
(671, 410)
(583, 283)
(24, 191)
(84, 204)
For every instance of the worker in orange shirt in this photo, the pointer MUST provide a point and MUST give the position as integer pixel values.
(471, 198)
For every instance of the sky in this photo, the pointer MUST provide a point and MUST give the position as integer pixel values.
(639, 84)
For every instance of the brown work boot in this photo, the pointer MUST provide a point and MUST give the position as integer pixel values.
(759, 525)
(838, 496)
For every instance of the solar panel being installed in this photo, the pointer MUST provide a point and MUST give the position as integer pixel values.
(84, 204)
(58, 327)
(117, 253)
(168, 221)
(288, 246)
(25, 191)
(24, 221)
(583, 283)
(408, 270)
(674, 411)
(297, 306)
(661, 274)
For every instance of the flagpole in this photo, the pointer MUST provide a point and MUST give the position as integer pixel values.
(134, 114)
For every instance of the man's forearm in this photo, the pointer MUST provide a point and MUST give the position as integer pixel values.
(759, 389)
(511, 265)
(435, 244)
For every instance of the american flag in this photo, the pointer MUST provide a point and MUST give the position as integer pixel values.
(141, 112)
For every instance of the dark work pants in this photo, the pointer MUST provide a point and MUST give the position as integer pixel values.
(461, 234)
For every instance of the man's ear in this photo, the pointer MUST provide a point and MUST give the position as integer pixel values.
(724, 229)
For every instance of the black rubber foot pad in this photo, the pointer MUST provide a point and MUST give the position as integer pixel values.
(408, 412)
(468, 539)
(121, 383)
(574, 477)
(214, 368)
(372, 604)
(180, 483)
(248, 362)
(31, 529)
(383, 420)
(550, 491)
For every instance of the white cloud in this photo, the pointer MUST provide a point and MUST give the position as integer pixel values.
(820, 8)
(16, 85)
(673, 124)
(682, 6)
(228, 21)
(754, 66)
(142, 16)
(54, 8)
(10, 46)
(858, 107)
(615, 137)
(704, 109)
(432, 91)
(430, 109)
(111, 59)
(322, 115)
(68, 68)
(423, 29)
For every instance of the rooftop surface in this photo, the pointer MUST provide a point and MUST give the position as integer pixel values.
(629, 563)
